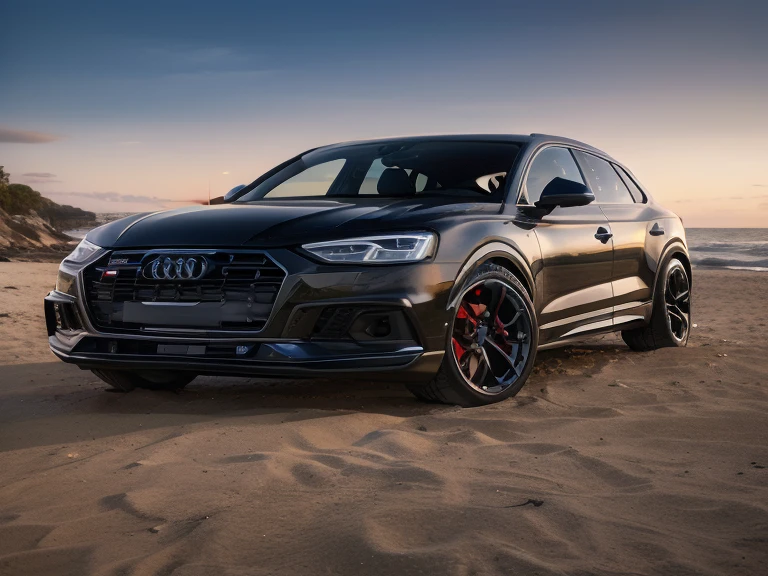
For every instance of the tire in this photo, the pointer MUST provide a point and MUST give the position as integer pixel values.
(125, 381)
(670, 323)
(454, 384)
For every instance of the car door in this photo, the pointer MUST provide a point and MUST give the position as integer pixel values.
(632, 278)
(574, 282)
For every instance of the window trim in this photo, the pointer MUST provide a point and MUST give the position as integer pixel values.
(622, 172)
(534, 155)
(647, 198)
(611, 164)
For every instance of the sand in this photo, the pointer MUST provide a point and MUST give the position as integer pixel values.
(608, 462)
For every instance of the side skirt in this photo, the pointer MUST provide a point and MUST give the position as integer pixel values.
(624, 317)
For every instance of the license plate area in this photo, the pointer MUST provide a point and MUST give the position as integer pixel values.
(211, 315)
(181, 349)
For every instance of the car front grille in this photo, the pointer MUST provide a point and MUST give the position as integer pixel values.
(208, 291)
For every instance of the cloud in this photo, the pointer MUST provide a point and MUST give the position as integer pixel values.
(39, 175)
(39, 178)
(41, 181)
(117, 197)
(764, 205)
(11, 136)
(760, 185)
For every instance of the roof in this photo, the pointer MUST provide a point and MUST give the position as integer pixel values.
(534, 138)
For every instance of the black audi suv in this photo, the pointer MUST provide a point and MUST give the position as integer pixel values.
(449, 260)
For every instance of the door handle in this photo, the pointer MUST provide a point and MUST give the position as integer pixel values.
(656, 230)
(603, 235)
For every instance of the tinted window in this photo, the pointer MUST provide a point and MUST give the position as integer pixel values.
(314, 181)
(634, 189)
(605, 183)
(393, 169)
(421, 182)
(550, 163)
(371, 181)
(372, 178)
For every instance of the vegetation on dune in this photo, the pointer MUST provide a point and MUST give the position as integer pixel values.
(28, 220)
(22, 200)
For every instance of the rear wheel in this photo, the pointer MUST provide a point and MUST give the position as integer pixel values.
(125, 380)
(491, 343)
(671, 317)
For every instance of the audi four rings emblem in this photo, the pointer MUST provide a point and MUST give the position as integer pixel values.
(176, 268)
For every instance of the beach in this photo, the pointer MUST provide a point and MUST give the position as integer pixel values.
(607, 462)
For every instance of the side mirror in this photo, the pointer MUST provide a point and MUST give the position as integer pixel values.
(564, 193)
(232, 194)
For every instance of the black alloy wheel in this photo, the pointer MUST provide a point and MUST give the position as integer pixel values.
(670, 323)
(492, 342)
(677, 297)
(491, 336)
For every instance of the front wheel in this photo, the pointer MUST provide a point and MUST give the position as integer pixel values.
(126, 380)
(491, 342)
(670, 322)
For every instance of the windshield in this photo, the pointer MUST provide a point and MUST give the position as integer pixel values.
(469, 169)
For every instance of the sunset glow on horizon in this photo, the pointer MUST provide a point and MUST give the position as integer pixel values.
(121, 108)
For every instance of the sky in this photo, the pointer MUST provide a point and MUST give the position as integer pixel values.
(133, 106)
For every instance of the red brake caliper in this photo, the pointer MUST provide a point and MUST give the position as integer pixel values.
(458, 349)
(467, 314)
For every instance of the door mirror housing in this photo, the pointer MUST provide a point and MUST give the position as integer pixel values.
(564, 193)
(233, 194)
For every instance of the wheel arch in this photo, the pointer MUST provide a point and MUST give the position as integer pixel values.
(675, 249)
(515, 269)
(498, 253)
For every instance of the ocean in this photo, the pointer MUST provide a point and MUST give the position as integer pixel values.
(101, 218)
(733, 248)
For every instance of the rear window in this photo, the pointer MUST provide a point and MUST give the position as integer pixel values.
(471, 169)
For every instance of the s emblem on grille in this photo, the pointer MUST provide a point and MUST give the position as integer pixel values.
(176, 268)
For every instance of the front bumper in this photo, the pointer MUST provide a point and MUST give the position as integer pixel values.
(413, 298)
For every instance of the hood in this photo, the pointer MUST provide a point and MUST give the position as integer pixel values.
(279, 223)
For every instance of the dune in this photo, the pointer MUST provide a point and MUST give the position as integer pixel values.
(608, 462)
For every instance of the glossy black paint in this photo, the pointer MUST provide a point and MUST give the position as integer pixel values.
(564, 193)
(585, 267)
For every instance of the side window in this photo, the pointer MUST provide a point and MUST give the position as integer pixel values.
(314, 181)
(421, 182)
(634, 189)
(550, 163)
(605, 183)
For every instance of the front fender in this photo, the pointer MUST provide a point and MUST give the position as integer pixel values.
(486, 253)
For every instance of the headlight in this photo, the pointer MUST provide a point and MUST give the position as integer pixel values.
(376, 249)
(82, 252)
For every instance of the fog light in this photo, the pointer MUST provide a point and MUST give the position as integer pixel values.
(379, 328)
